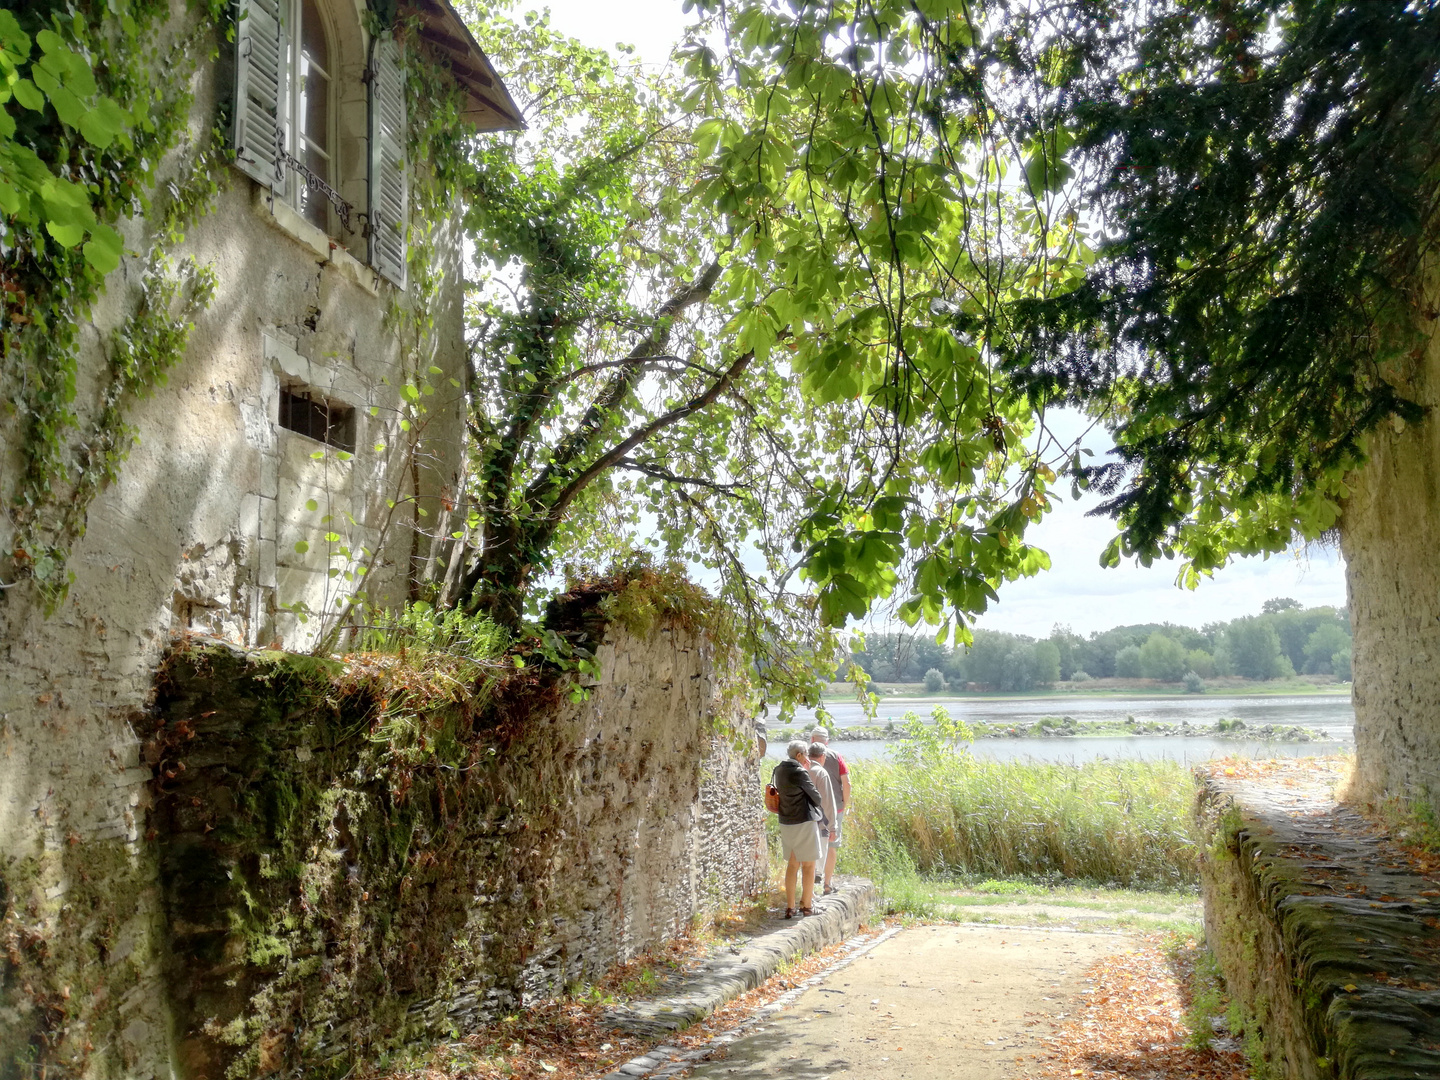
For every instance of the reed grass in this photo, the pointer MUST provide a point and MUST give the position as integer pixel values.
(944, 813)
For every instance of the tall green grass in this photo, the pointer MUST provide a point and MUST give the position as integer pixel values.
(937, 811)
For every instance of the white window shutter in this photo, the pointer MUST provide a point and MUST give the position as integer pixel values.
(388, 182)
(260, 85)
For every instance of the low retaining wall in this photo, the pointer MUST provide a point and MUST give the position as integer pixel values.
(350, 861)
(727, 975)
(1328, 935)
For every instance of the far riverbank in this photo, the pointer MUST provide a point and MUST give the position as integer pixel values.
(1179, 727)
(1226, 686)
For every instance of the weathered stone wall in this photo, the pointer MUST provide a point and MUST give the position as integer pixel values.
(341, 872)
(198, 531)
(1390, 533)
(1325, 931)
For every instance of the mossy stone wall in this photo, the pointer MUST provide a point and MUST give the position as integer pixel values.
(349, 862)
(1327, 934)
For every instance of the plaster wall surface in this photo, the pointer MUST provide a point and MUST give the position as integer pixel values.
(198, 533)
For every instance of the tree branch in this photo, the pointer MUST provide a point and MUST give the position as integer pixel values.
(631, 368)
(619, 452)
(671, 478)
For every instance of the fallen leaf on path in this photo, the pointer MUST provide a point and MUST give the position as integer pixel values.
(1133, 1027)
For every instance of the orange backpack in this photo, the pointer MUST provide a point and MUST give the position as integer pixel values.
(772, 796)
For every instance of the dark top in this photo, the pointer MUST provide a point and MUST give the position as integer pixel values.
(799, 799)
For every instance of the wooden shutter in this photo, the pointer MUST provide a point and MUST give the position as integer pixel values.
(260, 86)
(388, 192)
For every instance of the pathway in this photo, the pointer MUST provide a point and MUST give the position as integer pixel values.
(961, 1002)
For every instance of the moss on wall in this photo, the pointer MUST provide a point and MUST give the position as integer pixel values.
(1326, 938)
(351, 856)
(71, 958)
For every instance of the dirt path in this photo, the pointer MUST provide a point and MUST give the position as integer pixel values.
(962, 1002)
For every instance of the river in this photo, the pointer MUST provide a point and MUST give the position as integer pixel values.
(1330, 714)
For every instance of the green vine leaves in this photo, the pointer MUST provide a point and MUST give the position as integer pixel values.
(30, 191)
(91, 104)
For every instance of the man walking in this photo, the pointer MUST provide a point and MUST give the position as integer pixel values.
(840, 781)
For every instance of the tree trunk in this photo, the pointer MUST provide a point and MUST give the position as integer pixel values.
(1390, 534)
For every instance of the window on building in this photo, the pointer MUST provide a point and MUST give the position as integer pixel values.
(318, 418)
(297, 121)
(311, 178)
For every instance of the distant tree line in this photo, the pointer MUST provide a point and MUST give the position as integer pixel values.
(1284, 640)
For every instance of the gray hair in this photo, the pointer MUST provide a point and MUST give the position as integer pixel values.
(820, 735)
(817, 751)
(796, 750)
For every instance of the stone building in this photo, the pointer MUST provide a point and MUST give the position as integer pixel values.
(269, 470)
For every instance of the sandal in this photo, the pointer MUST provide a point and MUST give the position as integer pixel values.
(806, 911)
(789, 913)
(830, 891)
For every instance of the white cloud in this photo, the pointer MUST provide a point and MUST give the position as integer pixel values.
(652, 26)
(1077, 591)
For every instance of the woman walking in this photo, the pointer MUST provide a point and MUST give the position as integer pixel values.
(799, 834)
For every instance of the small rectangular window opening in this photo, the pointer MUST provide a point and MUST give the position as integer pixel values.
(317, 418)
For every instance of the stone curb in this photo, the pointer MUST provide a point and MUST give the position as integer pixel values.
(664, 1062)
(723, 978)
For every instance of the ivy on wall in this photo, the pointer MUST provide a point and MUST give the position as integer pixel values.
(93, 119)
(94, 103)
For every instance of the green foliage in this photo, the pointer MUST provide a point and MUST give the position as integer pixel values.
(1194, 684)
(1340, 665)
(1172, 651)
(884, 228)
(1046, 662)
(92, 102)
(940, 811)
(1163, 658)
(1253, 647)
(420, 627)
(1322, 646)
(934, 681)
(1208, 1000)
(52, 77)
(1266, 167)
(752, 308)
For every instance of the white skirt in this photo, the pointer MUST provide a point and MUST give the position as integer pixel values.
(802, 841)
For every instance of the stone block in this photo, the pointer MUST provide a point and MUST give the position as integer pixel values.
(266, 519)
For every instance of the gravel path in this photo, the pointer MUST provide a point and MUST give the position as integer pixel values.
(966, 1002)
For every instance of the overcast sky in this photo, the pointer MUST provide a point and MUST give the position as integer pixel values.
(1075, 591)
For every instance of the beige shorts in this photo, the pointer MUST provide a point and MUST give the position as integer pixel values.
(801, 841)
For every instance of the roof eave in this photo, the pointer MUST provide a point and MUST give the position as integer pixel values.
(488, 105)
